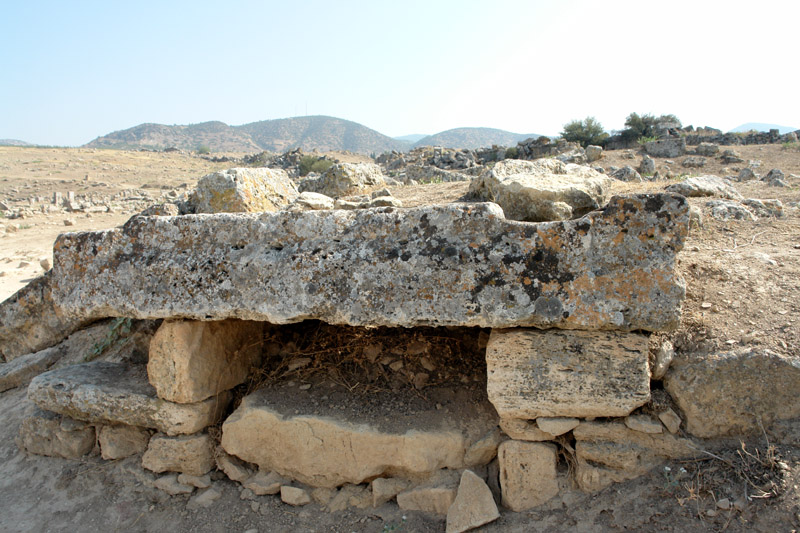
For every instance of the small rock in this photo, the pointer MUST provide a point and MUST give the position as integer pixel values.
(384, 489)
(263, 483)
(24, 264)
(45, 263)
(119, 441)
(204, 499)
(643, 424)
(247, 494)
(429, 499)
(69, 221)
(294, 495)
(201, 482)
(557, 425)
(663, 358)
(234, 468)
(671, 420)
(724, 503)
(171, 486)
(473, 507)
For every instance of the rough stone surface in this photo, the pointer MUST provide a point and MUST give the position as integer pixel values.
(672, 147)
(45, 433)
(242, 190)
(349, 447)
(295, 495)
(483, 451)
(694, 161)
(233, 467)
(22, 369)
(473, 507)
(560, 373)
(643, 424)
(192, 360)
(747, 174)
(765, 208)
(434, 500)
(609, 452)
(384, 489)
(593, 153)
(456, 264)
(706, 186)
(30, 320)
(200, 482)
(662, 358)
(728, 393)
(119, 393)
(343, 179)
(730, 210)
(187, 454)
(313, 200)
(263, 483)
(707, 149)
(527, 430)
(527, 474)
(626, 173)
(557, 426)
(119, 441)
(671, 420)
(647, 165)
(172, 486)
(541, 190)
(204, 499)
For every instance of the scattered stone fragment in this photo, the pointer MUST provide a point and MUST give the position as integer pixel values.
(343, 179)
(187, 454)
(707, 149)
(557, 426)
(45, 263)
(171, 486)
(775, 178)
(21, 370)
(730, 157)
(484, 450)
(239, 190)
(120, 441)
(559, 373)
(233, 467)
(626, 173)
(313, 200)
(733, 392)
(612, 269)
(647, 166)
(526, 430)
(593, 153)
(384, 489)
(69, 221)
(671, 147)
(119, 393)
(662, 358)
(263, 483)
(671, 420)
(541, 190)
(747, 174)
(43, 433)
(730, 210)
(610, 452)
(295, 495)
(193, 360)
(429, 499)
(201, 482)
(204, 499)
(706, 186)
(348, 496)
(161, 210)
(694, 161)
(643, 424)
(765, 208)
(527, 474)
(473, 507)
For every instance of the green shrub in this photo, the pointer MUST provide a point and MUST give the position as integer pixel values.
(584, 132)
(638, 126)
(512, 153)
(203, 149)
(643, 140)
(310, 163)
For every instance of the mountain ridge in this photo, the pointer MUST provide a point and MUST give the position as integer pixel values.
(473, 138)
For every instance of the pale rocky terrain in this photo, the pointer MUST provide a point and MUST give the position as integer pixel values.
(742, 293)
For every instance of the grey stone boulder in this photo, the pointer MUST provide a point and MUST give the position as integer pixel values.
(765, 208)
(671, 147)
(541, 190)
(730, 210)
(694, 161)
(240, 190)
(747, 174)
(647, 166)
(731, 156)
(775, 178)
(707, 149)
(593, 153)
(626, 173)
(100, 392)
(731, 393)
(706, 186)
(343, 179)
(454, 264)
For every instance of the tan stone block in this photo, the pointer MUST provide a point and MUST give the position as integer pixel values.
(384, 489)
(45, 433)
(188, 454)
(120, 441)
(559, 373)
(436, 500)
(191, 360)
(473, 507)
(295, 495)
(557, 426)
(519, 429)
(527, 473)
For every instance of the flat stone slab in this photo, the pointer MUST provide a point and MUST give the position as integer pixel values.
(119, 393)
(557, 373)
(323, 438)
(455, 264)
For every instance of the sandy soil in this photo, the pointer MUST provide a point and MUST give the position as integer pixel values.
(742, 290)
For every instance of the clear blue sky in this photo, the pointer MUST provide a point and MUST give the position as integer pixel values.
(71, 71)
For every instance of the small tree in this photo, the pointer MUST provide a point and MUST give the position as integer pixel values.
(203, 149)
(647, 125)
(585, 132)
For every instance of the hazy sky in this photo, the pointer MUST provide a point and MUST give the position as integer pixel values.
(71, 71)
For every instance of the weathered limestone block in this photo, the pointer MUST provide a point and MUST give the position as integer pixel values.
(473, 507)
(295, 495)
(192, 360)
(343, 179)
(46, 433)
(557, 426)
(728, 393)
(455, 264)
(243, 190)
(671, 147)
(22, 369)
(706, 186)
(349, 445)
(527, 430)
(119, 393)
(611, 452)
(384, 489)
(435, 500)
(187, 454)
(30, 320)
(527, 473)
(558, 373)
(120, 441)
(542, 190)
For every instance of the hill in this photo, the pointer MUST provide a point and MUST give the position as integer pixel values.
(13, 142)
(473, 138)
(414, 137)
(309, 133)
(760, 126)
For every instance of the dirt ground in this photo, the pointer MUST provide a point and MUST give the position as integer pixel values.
(742, 290)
